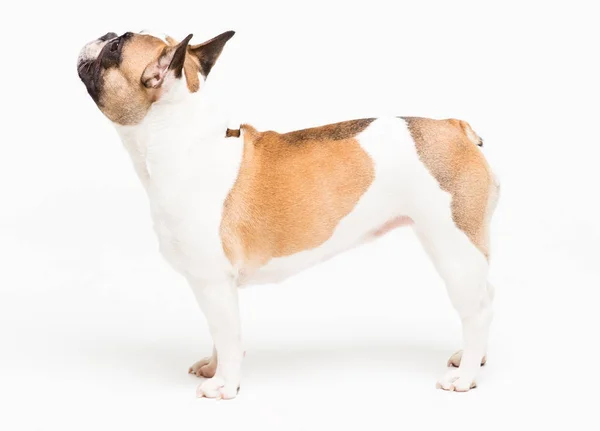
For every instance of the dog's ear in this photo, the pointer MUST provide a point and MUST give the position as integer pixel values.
(209, 51)
(169, 63)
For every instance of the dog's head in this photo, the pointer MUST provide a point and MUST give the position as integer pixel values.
(126, 74)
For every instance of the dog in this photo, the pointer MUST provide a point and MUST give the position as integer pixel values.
(234, 206)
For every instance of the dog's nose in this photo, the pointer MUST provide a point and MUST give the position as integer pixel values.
(108, 36)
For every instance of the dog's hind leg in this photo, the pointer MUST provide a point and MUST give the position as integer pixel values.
(464, 269)
(205, 367)
(452, 220)
(458, 244)
(461, 255)
(456, 357)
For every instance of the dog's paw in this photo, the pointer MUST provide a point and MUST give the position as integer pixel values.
(454, 380)
(205, 367)
(454, 360)
(218, 388)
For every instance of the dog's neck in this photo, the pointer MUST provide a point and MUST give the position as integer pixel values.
(176, 128)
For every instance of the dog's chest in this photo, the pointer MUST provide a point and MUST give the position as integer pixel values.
(187, 211)
(187, 185)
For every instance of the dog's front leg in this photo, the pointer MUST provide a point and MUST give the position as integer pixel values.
(219, 302)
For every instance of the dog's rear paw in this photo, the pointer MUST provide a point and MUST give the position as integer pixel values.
(454, 380)
(205, 367)
(455, 359)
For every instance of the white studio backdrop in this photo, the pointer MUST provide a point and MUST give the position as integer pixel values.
(97, 331)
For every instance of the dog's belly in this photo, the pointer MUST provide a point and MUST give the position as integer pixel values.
(279, 269)
(401, 192)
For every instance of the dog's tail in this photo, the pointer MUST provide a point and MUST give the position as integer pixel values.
(469, 132)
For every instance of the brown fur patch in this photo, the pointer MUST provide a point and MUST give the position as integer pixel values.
(333, 132)
(448, 149)
(191, 67)
(292, 190)
(125, 84)
(124, 100)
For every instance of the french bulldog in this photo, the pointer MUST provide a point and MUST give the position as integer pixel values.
(236, 206)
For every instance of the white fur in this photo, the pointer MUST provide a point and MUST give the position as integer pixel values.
(157, 34)
(91, 50)
(187, 168)
(401, 182)
(177, 149)
(190, 171)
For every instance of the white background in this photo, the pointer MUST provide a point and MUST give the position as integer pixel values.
(97, 332)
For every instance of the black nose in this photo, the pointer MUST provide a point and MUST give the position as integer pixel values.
(108, 36)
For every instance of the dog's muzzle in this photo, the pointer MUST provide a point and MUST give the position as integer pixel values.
(91, 50)
(87, 66)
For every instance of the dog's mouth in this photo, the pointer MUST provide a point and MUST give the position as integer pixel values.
(89, 73)
(84, 69)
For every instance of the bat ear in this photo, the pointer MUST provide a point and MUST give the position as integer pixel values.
(209, 51)
(168, 64)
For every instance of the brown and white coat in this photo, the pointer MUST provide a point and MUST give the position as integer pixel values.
(254, 207)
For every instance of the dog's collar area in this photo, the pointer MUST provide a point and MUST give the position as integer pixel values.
(232, 133)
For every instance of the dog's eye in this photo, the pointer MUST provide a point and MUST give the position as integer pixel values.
(114, 46)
